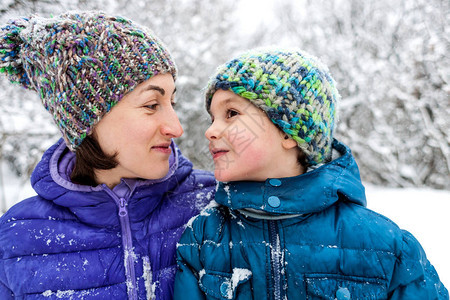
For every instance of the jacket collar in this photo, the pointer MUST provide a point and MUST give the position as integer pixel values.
(62, 162)
(93, 205)
(307, 193)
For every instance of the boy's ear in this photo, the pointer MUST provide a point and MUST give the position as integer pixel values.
(288, 143)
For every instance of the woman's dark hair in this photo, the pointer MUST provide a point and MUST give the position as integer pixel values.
(90, 156)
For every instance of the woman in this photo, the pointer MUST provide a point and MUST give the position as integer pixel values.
(114, 195)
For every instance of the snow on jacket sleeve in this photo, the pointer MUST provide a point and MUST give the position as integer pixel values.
(188, 260)
(414, 277)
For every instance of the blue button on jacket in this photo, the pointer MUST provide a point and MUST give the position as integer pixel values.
(320, 242)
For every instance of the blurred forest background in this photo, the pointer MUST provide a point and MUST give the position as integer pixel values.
(389, 58)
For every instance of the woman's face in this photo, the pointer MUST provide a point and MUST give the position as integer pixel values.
(139, 129)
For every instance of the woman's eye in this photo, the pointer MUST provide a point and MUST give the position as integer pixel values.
(231, 113)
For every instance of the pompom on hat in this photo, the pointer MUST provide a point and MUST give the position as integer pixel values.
(293, 88)
(81, 64)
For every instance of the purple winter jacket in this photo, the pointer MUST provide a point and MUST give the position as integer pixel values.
(80, 242)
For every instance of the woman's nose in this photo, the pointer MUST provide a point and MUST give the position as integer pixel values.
(172, 126)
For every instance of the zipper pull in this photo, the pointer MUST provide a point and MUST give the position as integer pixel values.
(122, 207)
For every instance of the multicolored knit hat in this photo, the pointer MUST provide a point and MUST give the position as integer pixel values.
(294, 89)
(81, 64)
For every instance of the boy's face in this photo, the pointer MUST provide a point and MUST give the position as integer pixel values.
(245, 144)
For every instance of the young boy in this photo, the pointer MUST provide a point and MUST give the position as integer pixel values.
(291, 221)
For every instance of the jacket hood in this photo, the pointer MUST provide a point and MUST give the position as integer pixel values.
(51, 181)
(306, 193)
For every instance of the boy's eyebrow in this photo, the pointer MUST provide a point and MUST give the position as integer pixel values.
(222, 104)
(231, 99)
(228, 101)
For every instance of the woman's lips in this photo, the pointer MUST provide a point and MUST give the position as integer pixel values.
(163, 148)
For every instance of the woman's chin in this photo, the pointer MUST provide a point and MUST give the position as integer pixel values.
(159, 174)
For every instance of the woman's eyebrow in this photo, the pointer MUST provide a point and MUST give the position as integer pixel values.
(159, 89)
(151, 87)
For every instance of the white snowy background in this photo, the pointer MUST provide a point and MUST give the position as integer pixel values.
(390, 59)
(423, 212)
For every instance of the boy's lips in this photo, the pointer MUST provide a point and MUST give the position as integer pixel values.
(216, 152)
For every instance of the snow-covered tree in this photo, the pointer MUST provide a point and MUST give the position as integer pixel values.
(199, 35)
(391, 62)
(390, 59)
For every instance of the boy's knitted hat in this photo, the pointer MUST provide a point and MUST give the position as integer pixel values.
(81, 64)
(294, 89)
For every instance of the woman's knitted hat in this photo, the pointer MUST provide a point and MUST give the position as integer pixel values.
(81, 64)
(294, 89)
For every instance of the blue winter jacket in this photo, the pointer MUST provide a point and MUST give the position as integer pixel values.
(80, 242)
(303, 237)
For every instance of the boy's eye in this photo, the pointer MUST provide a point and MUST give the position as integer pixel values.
(152, 106)
(231, 113)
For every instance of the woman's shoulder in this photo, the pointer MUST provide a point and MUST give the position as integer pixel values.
(38, 226)
(35, 208)
(196, 190)
(198, 180)
(30, 215)
(27, 221)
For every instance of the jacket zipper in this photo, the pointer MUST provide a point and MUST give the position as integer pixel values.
(127, 243)
(275, 259)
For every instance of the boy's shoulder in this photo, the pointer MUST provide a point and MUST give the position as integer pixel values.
(365, 216)
(212, 214)
(366, 227)
(210, 222)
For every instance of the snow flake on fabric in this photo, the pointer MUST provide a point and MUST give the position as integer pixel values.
(200, 199)
(239, 275)
(241, 224)
(129, 253)
(226, 188)
(147, 276)
(70, 294)
(204, 212)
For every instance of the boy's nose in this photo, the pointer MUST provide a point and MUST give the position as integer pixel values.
(212, 132)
